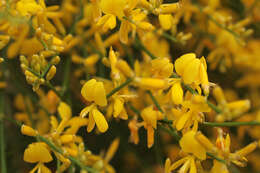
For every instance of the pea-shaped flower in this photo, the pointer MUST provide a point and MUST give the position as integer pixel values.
(192, 70)
(94, 91)
(38, 152)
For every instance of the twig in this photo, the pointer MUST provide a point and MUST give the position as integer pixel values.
(231, 124)
(155, 101)
(119, 87)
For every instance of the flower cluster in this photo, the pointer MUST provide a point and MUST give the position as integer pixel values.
(155, 73)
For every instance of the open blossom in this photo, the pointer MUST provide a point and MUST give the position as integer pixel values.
(94, 91)
(192, 70)
(167, 76)
(38, 153)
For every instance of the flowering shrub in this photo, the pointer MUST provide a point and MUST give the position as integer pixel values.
(129, 86)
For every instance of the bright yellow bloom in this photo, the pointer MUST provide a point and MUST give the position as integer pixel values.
(192, 70)
(94, 91)
(150, 118)
(38, 152)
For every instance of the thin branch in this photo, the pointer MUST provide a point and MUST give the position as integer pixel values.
(129, 80)
(155, 101)
(232, 124)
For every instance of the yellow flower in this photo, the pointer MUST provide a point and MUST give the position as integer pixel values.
(150, 118)
(65, 114)
(94, 91)
(112, 9)
(38, 152)
(190, 144)
(192, 70)
(117, 108)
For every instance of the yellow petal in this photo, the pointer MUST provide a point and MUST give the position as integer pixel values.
(219, 167)
(191, 72)
(64, 110)
(85, 111)
(111, 22)
(44, 169)
(189, 144)
(100, 121)
(112, 149)
(87, 90)
(114, 7)
(150, 136)
(203, 75)
(165, 21)
(182, 62)
(150, 116)
(91, 123)
(183, 119)
(123, 31)
(27, 130)
(118, 107)
(167, 165)
(177, 93)
(100, 94)
(193, 168)
(37, 152)
(151, 83)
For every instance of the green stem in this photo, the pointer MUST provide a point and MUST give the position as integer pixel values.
(129, 80)
(232, 124)
(44, 44)
(2, 134)
(155, 101)
(168, 36)
(58, 166)
(216, 158)
(166, 121)
(214, 107)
